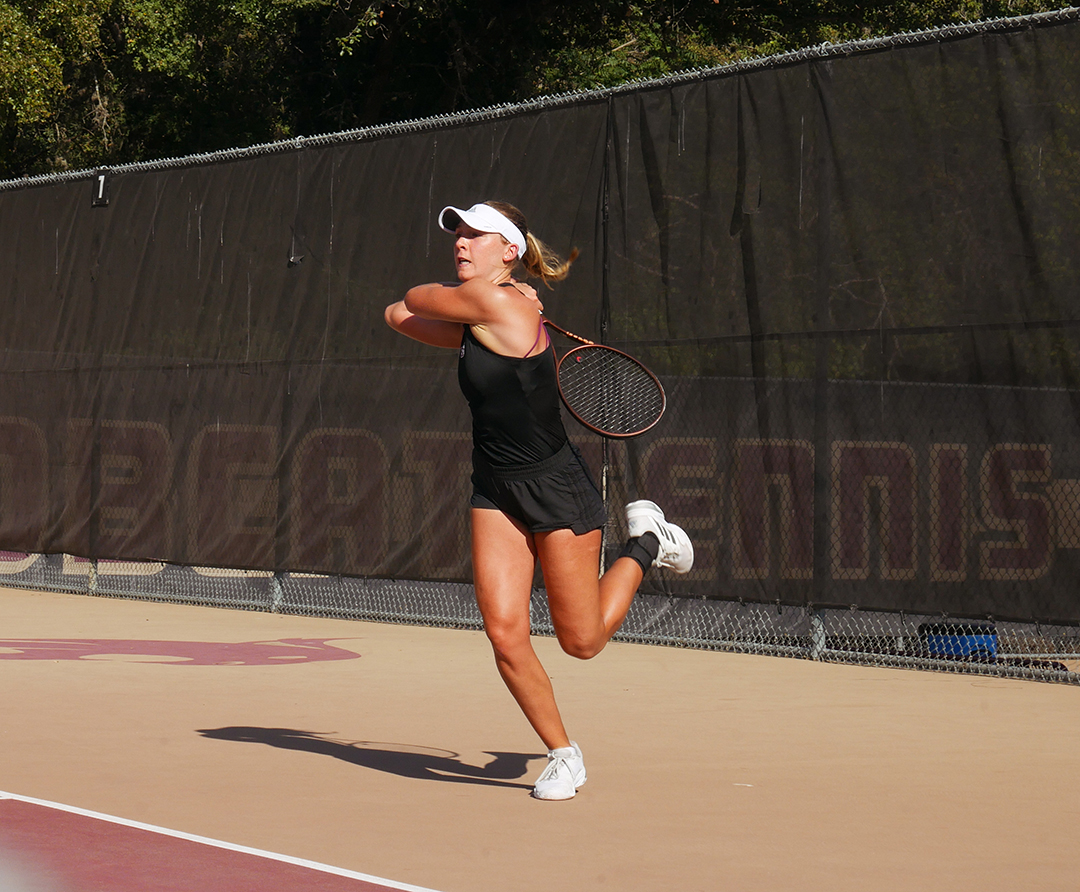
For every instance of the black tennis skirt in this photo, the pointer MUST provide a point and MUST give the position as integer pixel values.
(554, 494)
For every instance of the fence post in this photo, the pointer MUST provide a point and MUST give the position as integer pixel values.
(277, 593)
(817, 635)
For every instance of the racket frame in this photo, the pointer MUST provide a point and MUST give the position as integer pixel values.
(585, 345)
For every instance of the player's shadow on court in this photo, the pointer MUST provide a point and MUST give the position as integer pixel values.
(404, 760)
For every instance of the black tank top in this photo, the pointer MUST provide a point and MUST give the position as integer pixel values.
(514, 403)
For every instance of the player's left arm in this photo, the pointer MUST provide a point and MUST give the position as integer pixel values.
(435, 332)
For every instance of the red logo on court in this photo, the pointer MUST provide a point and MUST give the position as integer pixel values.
(284, 651)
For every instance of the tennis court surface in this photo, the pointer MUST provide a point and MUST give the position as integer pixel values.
(154, 746)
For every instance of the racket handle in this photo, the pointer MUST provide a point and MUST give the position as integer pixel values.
(566, 333)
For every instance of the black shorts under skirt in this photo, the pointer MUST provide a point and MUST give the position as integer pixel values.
(555, 494)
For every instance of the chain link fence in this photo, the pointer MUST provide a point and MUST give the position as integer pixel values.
(877, 638)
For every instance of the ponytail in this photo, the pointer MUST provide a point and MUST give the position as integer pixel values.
(539, 260)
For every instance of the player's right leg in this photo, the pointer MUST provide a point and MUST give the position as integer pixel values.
(504, 560)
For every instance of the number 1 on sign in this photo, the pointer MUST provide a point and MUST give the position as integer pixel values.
(100, 197)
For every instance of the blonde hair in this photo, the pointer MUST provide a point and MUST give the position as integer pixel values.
(539, 260)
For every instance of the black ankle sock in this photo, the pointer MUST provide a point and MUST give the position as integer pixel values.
(642, 549)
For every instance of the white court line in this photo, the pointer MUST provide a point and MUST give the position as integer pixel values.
(217, 843)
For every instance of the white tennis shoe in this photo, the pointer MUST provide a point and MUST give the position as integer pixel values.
(676, 550)
(565, 772)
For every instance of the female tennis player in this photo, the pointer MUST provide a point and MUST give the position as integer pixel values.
(533, 497)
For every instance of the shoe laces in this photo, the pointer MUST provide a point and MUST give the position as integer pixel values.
(552, 769)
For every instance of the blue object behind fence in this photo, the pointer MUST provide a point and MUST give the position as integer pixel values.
(960, 641)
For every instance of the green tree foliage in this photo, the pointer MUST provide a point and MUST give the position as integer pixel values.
(90, 82)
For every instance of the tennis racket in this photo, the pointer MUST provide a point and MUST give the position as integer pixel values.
(607, 390)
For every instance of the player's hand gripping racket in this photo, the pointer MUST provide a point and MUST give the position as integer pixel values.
(607, 390)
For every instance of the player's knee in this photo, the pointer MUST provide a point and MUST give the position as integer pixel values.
(581, 648)
(506, 638)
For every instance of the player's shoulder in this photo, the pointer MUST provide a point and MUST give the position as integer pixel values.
(487, 292)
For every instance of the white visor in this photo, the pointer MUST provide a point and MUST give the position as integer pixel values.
(483, 218)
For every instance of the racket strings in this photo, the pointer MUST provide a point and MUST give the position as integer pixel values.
(610, 391)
